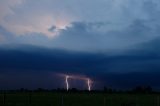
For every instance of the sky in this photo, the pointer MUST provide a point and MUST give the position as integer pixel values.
(113, 42)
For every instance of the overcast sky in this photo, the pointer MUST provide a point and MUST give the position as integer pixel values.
(99, 25)
(95, 38)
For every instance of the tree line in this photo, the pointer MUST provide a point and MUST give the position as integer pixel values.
(137, 89)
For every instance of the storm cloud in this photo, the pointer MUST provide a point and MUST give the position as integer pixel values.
(115, 42)
(120, 71)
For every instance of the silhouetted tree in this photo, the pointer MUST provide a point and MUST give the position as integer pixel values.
(142, 89)
(73, 90)
(149, 89)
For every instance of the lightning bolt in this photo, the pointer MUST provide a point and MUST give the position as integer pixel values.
(67, 84)
(87, 80)
(89, 84)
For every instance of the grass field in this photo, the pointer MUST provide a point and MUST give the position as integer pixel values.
(78, 99)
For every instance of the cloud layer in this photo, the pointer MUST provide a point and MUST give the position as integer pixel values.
(103, 25)
(32, 64)
(115, 38)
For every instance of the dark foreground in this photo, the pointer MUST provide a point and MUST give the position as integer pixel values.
(78, 99)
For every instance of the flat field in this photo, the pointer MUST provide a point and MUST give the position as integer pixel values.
(78, 99)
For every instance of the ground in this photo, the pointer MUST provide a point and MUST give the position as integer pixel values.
(78, 99)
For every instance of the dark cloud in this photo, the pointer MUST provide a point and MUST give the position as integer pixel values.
(120, 71)
(36, 58)
(52, 29)
(132, 79)
(40, 59)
